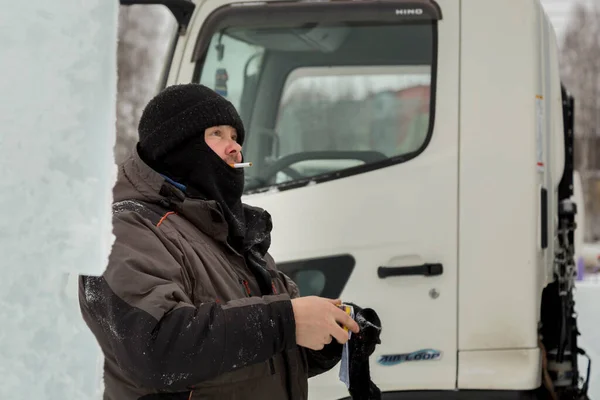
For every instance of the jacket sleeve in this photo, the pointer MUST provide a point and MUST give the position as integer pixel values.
(322, 360)
(140, 310)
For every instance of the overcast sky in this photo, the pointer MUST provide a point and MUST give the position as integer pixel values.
(558, 11)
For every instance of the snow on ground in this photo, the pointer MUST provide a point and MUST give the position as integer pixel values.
(587, 304)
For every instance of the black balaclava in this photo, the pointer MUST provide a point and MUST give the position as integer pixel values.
(171, 141)
(208, 177)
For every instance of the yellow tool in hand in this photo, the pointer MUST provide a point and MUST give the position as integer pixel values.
(348, 310)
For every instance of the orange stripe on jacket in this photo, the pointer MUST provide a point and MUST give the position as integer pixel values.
(165, 217)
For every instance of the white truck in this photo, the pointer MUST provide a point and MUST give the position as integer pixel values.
(417, 158)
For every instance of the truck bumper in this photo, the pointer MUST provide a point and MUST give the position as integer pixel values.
(537, 394)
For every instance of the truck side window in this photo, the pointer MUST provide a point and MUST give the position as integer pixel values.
(237, 67)
(382, 109)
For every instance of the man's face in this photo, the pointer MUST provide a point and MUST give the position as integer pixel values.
(223, 141)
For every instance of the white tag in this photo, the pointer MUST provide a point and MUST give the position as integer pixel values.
(345, 362)
(539, 111)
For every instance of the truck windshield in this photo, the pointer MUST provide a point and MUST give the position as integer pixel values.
(323, 98)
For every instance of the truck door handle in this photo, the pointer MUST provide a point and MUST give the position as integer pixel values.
(425, 270)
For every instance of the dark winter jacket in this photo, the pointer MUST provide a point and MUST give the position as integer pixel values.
(176, 312)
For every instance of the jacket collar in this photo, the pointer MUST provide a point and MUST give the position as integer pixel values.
(150, 186)
(138, 181)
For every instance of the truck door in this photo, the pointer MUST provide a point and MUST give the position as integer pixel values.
(351, 112)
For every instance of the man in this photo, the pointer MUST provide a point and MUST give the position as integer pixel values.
(191, 305)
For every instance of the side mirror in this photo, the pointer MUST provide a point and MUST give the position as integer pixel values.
(182, 10)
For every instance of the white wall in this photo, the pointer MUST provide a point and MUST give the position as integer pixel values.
(57, 111)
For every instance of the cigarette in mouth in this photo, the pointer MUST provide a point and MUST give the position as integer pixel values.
(241, 165)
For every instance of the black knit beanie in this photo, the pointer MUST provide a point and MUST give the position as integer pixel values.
(180, 113)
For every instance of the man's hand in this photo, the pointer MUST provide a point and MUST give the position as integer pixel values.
(318, 321)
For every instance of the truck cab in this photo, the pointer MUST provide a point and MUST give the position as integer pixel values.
(416, 158)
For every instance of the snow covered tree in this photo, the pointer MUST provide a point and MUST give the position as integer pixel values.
(580, 70)
(145, 33)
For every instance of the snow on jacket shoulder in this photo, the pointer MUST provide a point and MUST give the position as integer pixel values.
(177, 313)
